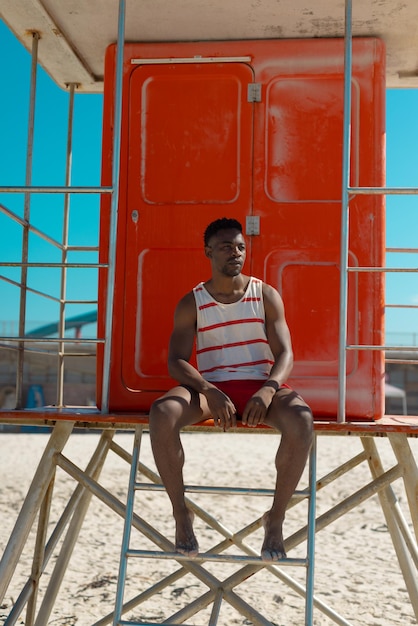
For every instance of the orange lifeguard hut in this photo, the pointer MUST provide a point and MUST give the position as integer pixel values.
(253, 130)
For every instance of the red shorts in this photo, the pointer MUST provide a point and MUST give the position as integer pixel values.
(240, 391)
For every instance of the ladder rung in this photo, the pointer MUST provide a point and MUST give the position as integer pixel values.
(209, 556)
(240, 491)
(128, 623)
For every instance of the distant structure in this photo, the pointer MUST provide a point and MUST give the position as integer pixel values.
(41, 368)
(402, 373)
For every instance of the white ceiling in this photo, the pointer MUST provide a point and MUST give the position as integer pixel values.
(75, 33)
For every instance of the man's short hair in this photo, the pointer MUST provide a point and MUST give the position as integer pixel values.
(223, 223)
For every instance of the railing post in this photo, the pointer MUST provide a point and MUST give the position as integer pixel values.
(342, 361)
(114, 207)
(64, 251)
(25, 233)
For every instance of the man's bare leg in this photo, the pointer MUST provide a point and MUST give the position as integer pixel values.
(167, 416)
(289, 414)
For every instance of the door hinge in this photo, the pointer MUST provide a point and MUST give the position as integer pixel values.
(254, 92)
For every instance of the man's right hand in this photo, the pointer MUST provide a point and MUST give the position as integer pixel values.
(222, 408)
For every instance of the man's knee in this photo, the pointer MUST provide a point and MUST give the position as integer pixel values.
(171, 411)
(303, 422)
(159, 414)
(157, 408)
(296, 422)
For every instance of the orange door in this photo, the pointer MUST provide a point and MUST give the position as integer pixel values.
(298, 150)
(190, 161)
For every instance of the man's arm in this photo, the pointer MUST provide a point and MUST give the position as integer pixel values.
(180, 349)
(278, 335)
(181, 345)
(280, 343)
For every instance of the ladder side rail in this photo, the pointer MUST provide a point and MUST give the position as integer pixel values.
(310, 569)
(343, 319)
(127, 527)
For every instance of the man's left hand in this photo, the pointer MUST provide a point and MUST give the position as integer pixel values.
(256, 409)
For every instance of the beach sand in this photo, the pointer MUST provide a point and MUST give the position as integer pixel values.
(356, 574)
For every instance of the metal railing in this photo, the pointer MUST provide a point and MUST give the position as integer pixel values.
(348, 193)
(65, 249)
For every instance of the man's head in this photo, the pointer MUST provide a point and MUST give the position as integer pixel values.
(225, 246)
(223, 223)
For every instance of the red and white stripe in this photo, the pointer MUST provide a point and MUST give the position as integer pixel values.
(231, 338)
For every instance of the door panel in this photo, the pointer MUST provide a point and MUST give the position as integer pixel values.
(190, 158)
(298, 148)
(298, 247)
(309, 284)
(304, 117)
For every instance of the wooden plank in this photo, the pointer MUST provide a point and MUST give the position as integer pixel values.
(90, 417)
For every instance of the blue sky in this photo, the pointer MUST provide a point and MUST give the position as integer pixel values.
(49, 168)
(51, 118)
(402, 211)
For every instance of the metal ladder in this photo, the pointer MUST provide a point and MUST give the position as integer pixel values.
(250, 562)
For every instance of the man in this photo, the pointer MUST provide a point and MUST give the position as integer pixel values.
(244, 355)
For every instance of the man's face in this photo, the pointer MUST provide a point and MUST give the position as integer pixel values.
(227, 251)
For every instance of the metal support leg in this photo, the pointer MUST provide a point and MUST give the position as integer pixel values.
(405, 458)
(388, 502)
(309, 599)
(31, 506)
(39, 554)
(72, 535)
(26, 594)
(127, 526)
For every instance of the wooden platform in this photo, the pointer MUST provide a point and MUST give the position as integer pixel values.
(86, 417)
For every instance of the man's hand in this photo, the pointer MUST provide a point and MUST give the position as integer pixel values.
(222, 408)
(257, 406)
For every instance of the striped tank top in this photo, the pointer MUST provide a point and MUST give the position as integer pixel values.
(231, 340)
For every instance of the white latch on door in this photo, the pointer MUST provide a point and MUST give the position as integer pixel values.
(254, 92)
(252, 225)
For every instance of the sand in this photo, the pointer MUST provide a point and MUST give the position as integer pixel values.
(356, 574)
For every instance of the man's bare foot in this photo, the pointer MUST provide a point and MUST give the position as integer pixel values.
(272, 548)
(186, 542)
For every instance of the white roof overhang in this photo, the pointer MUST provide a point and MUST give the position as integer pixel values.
(75, 33)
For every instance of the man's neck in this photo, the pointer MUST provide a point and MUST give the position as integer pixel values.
(227, 289)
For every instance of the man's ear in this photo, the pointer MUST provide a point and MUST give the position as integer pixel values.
(208, 252)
